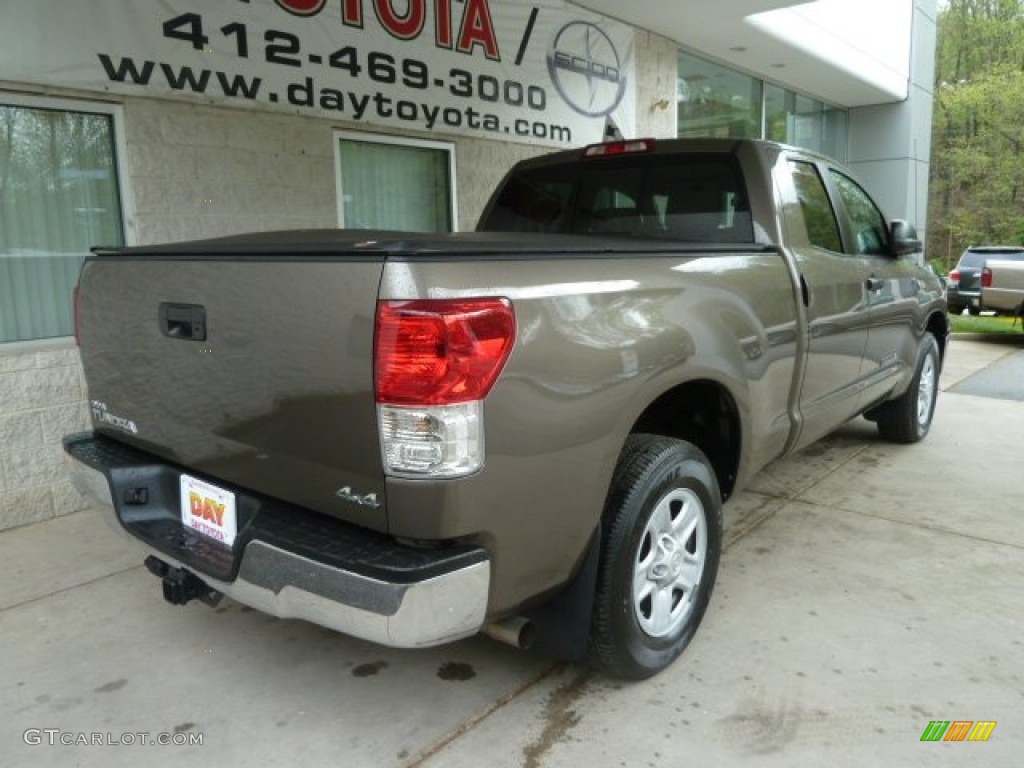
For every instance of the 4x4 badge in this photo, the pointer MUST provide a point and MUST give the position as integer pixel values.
(369, 500)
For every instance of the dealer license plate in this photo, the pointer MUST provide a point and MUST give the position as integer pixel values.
(208, 509)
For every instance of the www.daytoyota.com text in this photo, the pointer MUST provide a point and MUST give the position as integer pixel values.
(358, 67)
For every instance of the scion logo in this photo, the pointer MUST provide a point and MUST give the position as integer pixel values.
(586, 69)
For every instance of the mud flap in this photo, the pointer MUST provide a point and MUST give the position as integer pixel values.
(562, 624)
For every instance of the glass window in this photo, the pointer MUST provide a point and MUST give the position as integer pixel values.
(396, 185)
(694, 198)
(867, 221)
(59, 197)
(834, 132)
(819, 218)
(779, 104)
(532, 202)
(717, 101)
(792, 118)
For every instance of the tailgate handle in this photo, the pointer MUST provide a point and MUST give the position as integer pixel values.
(183, 321)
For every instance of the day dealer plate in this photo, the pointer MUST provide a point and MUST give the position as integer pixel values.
(208, 509)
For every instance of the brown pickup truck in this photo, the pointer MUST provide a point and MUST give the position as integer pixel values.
(528, 430)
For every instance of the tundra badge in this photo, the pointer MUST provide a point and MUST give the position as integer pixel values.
(102, 415)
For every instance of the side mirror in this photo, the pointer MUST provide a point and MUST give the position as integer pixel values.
(903, 238)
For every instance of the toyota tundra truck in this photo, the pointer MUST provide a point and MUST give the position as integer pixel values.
(528, 430)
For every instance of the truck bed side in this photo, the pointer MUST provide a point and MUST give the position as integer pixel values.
(1002, 285)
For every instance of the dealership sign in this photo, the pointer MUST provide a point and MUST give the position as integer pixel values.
(537, 72)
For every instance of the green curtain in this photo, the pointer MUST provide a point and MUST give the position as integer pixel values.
(389, 186)
(58, 198)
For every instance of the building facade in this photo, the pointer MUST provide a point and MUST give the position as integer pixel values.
(136, 122)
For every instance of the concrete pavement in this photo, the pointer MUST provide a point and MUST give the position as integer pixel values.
(866, 589)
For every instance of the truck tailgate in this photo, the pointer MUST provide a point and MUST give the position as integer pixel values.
(252, 370)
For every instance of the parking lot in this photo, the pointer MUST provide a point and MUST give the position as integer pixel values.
(866, 589)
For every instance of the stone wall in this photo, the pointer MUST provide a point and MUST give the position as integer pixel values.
(197, 171)
(42, 398)
(657, 66)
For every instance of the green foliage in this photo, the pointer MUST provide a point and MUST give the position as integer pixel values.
(938, 266)
(984, 324)
(977, 184)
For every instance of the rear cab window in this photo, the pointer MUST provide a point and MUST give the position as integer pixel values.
(691, 198)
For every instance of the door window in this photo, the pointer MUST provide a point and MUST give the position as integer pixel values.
(868, 222)
(820, 219)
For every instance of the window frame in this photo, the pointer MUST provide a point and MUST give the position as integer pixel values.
(125, 198)
(401, 141)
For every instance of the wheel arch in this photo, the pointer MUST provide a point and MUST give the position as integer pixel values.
(701, 411)
(705, 413)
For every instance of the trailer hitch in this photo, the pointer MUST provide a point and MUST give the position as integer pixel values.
(181, 585)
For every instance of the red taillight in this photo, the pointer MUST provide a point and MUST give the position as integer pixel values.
(954, 276)
(986, 278)
(74, 313)
(619, 148)
(440, 352)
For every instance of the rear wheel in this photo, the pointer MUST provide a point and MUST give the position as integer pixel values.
(908, 418)
(661, 542)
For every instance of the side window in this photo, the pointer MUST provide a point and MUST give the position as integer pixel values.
(59, 196)
(820, 219)
(867, 221)
(386, 183)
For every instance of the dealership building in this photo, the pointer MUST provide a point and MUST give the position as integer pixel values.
(138, 122)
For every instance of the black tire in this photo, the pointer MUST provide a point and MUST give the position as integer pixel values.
(954, 309)
(665, 485)
(973, 311)
(908, 418)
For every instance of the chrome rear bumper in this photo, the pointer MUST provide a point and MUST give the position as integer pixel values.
(418, 613)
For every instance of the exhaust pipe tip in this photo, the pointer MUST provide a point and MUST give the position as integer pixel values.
(517, 631)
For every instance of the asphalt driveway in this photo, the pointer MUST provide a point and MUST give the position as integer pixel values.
(866, 590)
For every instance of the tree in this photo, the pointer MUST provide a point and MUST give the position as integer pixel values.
(977, 185)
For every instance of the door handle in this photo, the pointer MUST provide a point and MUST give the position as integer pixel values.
(875, 284)
(183, 321)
